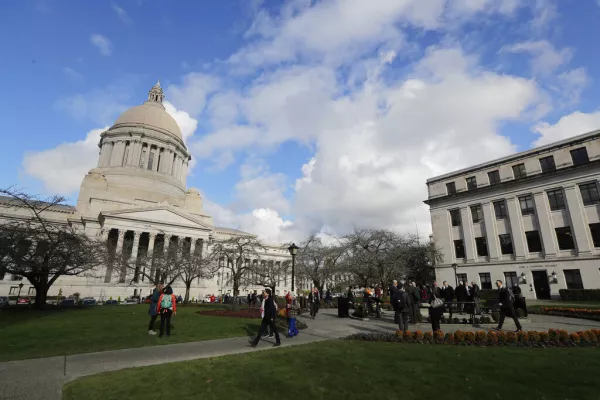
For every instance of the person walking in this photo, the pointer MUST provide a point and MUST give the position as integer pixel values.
(402, 302)
(506, 299)
(393, 295)
(520, 302)
(313, 301)
(475, 298)
(291, 314)
(152, 310)
(269, 314)
(167, 307)
(436, 307)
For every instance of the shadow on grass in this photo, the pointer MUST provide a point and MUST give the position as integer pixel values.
(17, 315)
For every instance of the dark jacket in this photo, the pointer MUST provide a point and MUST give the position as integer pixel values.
(504, 299)
(402, 295)
(461, 293)
(270, 309)
(435, 291)
(475, 291)
(413, 292)
(393, 293)
(448, 294)
(154, 302)
(312, 298)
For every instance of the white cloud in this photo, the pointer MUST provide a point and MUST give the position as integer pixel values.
(545, 57)
(72, 74)
(186, 123)
(101, 106)
(62, 168)
(258, 187)
(102, 43)
(121, 13)
(568, 126)
(571, 84)
(192, 93)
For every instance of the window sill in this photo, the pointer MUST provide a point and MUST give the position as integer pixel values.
(567, 253)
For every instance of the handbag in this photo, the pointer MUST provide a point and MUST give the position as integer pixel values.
(437, 303)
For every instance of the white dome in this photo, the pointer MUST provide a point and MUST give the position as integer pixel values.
(151, 115)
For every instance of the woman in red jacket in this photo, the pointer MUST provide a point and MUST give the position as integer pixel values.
(167, 306)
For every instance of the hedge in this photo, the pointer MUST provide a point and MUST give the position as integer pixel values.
(593, 314)
(552, 338)
(580, 294)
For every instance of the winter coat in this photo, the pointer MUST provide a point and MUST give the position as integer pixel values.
(154, 302)
(173, 302)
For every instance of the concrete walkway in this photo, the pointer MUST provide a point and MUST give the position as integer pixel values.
(42, 379)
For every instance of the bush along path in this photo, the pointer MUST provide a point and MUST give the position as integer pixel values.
(592, 314)
(552, 338)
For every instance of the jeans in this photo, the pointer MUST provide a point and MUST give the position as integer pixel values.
(152, 321)
(165, 321)
(267, 322)
(403, 320)
(292, 330)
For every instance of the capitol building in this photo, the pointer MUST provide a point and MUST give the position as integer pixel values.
(137, 194)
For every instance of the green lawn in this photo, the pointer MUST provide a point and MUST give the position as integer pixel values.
(359, 370)
(26, 333)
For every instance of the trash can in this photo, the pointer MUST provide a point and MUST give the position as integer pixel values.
(343, 305)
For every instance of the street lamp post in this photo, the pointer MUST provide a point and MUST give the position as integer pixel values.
(293, 249)
(455, 276)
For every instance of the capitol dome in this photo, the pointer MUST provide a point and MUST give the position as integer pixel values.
(151, 114)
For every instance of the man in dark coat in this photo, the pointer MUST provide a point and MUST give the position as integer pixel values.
(393, 294)
(402, 301)
(152, 311)
(314, 302)
(415, 297)
(461, 296)
(475, 297)
(506, 306)
(448, 296)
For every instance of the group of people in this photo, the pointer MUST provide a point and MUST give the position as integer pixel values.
(164, 303)
(406, 302)
(269, 310)
(466, 295)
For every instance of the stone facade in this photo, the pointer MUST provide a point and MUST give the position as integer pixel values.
(137, 193)
(531, 219)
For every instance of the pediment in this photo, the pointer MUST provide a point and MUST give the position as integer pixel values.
(159, 215)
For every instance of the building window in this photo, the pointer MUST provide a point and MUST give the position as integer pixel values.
(556, 199)
(534, 243)
(13, 291)
(547, 164)
(519, 171)
(150, 160)
(494, 177)
(481, 244)
(461, 277)
(506, 246)
(471, 183)
(594, 230)
(573, 279)
(565, 238)
(500, 209)
(459, 249)
(589, 193)
(526, 203)
(579, 156)
(486, 280)
(31, 291)
(143, 158)
(477, 213)
(451, 188)
(455, 217)
(511, 279)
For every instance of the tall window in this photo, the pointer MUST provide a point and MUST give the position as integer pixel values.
(13, 291)
(461, 277)
(481, 244)
(534, 243)
(143, 158)
(589, 193)
(455, 217)
(150, 160)
(31, 291)
(506, 246)
(573, 279)
(511, 279)
(471, 183)
(500, 209)
(565, 238)
(526, 203)
(556, 199)
(477, 213)
(519, 171)
(494, 177)
(579, 156)
(594, 230)
(486, 280)
(547, 164)
(459, 249)
(451, 188)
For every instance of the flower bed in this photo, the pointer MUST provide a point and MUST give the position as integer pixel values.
(583, 313)
(552, 338)
(464, 321)
(249, 313)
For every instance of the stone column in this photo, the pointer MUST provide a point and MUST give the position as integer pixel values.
(120, 240)
(116, 159)
(184, 172)
(489, 220)
(192, 245)
(176, 167)
(169, 154)
(579, 223)
(156, 157)
(150, 253)
(166, 243)
(544, 218)
(467, 229)
(134, 248)
(516, 228)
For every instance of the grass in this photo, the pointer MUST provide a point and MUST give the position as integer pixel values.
(26, 333)
(357, 370)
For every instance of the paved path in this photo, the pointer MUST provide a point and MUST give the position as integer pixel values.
(42, 379)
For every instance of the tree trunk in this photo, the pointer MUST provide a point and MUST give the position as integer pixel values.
(236, 291)
(187, 292)
(41, 295)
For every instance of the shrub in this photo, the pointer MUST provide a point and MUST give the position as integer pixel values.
(486, 320)
(359, 312)
(511, 337)
(459, 336)
(573, 337)
(470, 337)
(442, 320)
(455, 320)
(502, 338)
(438, 337)
(593, 336)
(480, 337)
(534, 337)
(449, 338)
(418, 336)
(428, 337)
(563, 336)
(544, 337)
(495, 316)
(476, 321)
(492, 338)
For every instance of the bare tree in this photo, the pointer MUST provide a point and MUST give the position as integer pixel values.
(318, 262)
(41, 248)
(420, 259)
(268, 274)
(196, 266)
(236, 252)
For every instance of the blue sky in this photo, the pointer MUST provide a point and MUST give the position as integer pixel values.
(309, 116)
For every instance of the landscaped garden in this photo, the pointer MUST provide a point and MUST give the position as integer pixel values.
(27, 333)
(359, 370)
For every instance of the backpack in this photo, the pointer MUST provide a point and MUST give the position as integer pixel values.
(166, 302)
(401, 303)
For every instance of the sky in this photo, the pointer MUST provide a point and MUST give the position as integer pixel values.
(302, 116)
